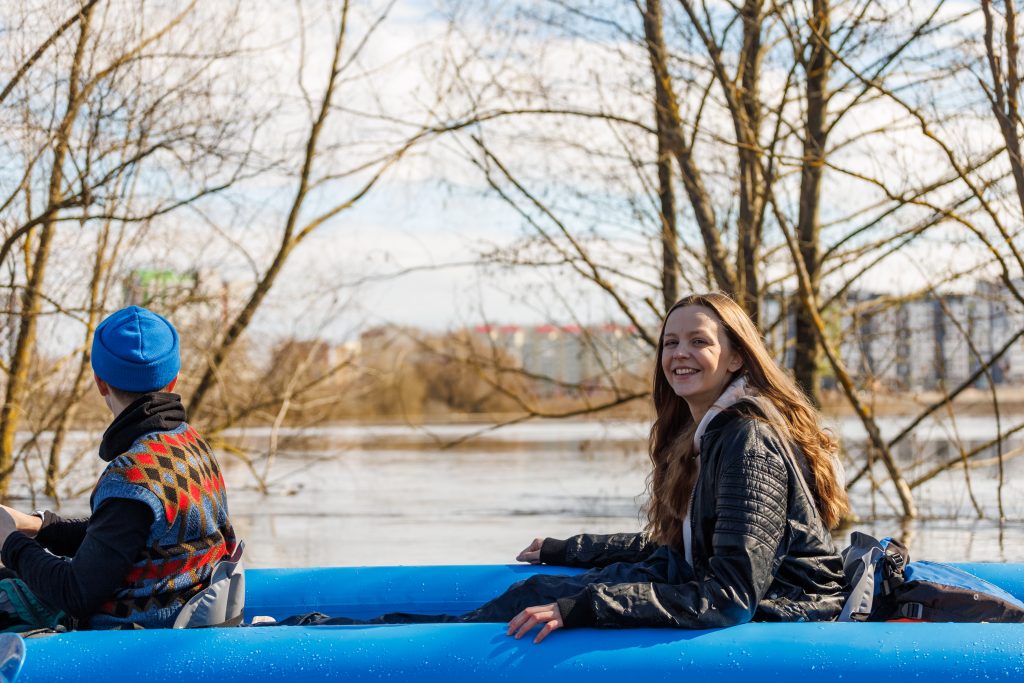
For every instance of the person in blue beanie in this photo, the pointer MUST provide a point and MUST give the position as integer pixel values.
(159, 521)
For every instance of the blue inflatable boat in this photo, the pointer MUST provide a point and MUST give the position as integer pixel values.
(802, 652)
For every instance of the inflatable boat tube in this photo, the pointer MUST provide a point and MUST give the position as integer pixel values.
(803, 652)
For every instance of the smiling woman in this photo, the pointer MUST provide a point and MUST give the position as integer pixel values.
(742, 493)
(743, 490)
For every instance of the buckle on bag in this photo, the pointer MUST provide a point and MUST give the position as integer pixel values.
(912, 610)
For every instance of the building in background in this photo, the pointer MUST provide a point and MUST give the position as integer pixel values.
(159, 288)
(1005, 322)
(934, 341)
(886, 343)
(571, 357)
(191, 296)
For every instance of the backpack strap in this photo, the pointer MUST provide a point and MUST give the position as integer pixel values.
(860, 560)
(894, 562)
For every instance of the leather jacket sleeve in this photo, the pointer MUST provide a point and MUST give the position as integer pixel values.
(596, 550)
(750, 520)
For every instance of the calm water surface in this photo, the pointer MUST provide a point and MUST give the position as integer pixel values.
(396, 495)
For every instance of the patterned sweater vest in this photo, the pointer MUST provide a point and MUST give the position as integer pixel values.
(176, 475)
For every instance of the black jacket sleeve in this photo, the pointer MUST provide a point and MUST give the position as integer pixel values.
(596, 550)
(62, 536)
(750, 507)
(114, 537)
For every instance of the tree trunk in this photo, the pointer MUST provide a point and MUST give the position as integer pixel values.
(693, 183)
(1006, 89)
(752, 180)
(24, 346)
(667, 200)
(80, 385)
(805, 358)
(669, 230)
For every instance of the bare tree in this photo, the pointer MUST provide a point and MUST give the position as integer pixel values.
(31, 298)
(98, 155)
(840, 185)
(324, 171)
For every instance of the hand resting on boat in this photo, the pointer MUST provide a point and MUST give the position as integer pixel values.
(531, 553)
(522, 623)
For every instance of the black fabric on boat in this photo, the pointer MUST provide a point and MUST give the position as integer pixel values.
(663, 565)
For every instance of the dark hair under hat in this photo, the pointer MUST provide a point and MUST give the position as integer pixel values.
(136, 350)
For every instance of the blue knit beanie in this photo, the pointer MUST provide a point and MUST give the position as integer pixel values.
(136, 350)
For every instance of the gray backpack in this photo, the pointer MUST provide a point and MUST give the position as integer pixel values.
(221, 603)
(886, 586)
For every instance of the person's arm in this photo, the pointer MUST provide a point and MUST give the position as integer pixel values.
(114, 537)
(58, 535)
(595, 550)
(751, 501)
(62, 536)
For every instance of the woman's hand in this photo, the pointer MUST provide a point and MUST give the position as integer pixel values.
(531, 553)
(533, 616)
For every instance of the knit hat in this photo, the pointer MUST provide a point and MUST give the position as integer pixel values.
(136, 350)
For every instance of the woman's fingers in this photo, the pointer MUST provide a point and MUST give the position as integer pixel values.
(524, 622)
(531, 556)
(531, 553)
(527, 626)
(516, 622)
(548, 628)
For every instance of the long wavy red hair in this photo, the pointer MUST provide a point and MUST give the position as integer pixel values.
(674, 471)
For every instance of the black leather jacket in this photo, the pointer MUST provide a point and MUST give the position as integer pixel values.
(760, 550)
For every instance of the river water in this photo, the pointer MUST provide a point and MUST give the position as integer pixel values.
(384, 495)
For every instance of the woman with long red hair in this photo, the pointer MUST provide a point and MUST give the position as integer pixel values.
(743, 490)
